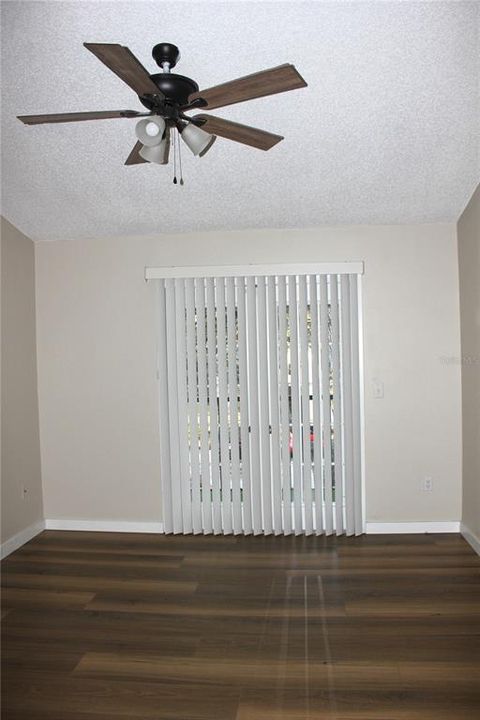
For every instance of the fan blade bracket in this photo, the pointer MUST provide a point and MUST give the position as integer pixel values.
(134, 114)
(199, 102)
(155, 102)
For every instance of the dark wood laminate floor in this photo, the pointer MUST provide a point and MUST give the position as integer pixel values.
(103, 626)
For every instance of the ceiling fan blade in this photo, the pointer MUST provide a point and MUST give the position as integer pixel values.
(239, 133)
(77, 117)
(267, 82)
(135, 158)
(122, 62)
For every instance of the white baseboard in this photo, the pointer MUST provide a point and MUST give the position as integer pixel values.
(400, 528)
(471, 538)
(104, 526)
(372, 528)
(16, 541)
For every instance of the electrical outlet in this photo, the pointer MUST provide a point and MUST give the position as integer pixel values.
(427, 484)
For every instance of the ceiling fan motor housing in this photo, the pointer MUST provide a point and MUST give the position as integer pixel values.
(176, 88)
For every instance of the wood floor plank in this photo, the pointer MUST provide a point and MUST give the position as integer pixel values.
(95, 583)
(418, 608)
(247, 673)
(249, 711)
(155, 701)
(103, 560)
(213, 611)
(148, 627)
(28, 597)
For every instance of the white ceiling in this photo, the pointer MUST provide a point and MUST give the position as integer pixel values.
(386, 132)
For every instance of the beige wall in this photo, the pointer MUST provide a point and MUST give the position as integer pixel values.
(96, 360)
(469, 272)
(20, 434)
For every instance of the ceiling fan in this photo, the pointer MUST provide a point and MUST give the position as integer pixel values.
(168, 96)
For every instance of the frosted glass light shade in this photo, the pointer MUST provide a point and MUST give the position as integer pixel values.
(154, 154)
(150, 131)
(197, 139)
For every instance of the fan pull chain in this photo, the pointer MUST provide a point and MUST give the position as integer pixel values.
(174, 156)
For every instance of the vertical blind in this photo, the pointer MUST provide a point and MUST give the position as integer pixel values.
(260, 403)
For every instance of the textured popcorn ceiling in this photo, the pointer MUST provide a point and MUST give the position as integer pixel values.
(386, 132)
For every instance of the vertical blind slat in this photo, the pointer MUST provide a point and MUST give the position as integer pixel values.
(192, 395)
(182, 406)
(317, 424)
(253, 392)
(264, 409)
(233, 405)
(274, 405)
(205, 464)
(244, 411)
(337, 407)
(213, 406)
(326, 409)
(177, 521)
(347, 406)
(284, 405)
(305, 402)
(357, 468)
(225, 463)
(295, 391)
(164, 421)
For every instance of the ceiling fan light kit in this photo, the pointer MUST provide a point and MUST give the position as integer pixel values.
(168, 96)
(155, 154)
(196, 139)
(150, 131)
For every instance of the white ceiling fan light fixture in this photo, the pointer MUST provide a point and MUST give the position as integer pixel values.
(150, 131)
(154, 153)
(196, 139)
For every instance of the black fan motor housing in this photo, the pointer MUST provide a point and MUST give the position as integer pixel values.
(176, 88)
